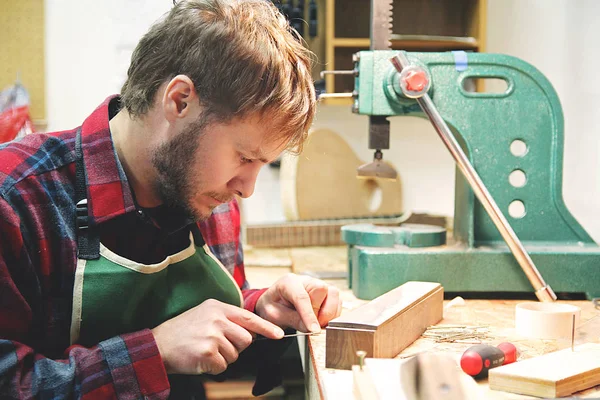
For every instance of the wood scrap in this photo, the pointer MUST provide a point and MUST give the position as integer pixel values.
(321, 183)
(363, 386)
(556, 374)
(386, 325)
(426, 376)
(433, 376)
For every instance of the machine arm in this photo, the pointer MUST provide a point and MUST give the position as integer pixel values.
(415, 82)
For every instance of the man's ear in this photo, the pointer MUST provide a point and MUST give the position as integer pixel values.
(178, 96)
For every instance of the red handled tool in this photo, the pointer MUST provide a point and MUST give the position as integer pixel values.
(479, 359)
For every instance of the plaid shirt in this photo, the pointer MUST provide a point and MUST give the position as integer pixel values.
(38, 247)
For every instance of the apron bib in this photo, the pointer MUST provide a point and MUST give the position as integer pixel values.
(113, 295)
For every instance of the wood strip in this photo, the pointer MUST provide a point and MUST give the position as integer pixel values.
(386, 325)
(556, 374)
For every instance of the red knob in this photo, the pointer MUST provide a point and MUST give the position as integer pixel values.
(416, 80)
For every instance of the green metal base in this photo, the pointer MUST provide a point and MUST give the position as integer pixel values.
(481, 271)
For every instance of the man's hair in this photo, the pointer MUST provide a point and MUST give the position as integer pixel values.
(243, 58)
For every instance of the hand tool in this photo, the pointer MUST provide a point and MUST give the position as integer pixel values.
(259, 337)
(479, 359)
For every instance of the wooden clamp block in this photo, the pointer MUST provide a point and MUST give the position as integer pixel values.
(386, 325)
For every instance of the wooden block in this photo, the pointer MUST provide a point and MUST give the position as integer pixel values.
(556, 374)
(386, 325)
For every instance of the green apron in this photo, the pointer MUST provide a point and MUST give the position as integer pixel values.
(113, 295)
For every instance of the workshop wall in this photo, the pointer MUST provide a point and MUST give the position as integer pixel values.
(560, 38)
(88, 45)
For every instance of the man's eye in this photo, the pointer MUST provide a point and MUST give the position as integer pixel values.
(245, 160)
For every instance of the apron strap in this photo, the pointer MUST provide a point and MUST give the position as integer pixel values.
(198, 239)
(88, 239)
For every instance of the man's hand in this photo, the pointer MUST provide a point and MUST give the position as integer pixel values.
(300, 303)
(209, 337)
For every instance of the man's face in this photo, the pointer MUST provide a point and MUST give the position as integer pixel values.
(205, 165)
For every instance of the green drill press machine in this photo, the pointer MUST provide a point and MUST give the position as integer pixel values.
(493, 137)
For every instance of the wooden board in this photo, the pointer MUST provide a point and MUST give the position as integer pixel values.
(294, 234)
(321, 183)
(386, 325)
(552, 375)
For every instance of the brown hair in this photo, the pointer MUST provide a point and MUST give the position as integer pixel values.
(243, 58)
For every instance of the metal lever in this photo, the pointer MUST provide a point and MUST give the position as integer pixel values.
(353, 94)
(348, 95)
(353, 72)
(542, 290)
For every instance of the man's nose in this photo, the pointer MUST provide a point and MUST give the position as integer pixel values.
(243, 184)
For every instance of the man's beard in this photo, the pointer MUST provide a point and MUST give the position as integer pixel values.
(173, 161)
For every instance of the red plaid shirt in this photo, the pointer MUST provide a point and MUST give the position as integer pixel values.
(38, 247)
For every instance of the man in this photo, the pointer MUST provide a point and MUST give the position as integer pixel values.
(107, 280)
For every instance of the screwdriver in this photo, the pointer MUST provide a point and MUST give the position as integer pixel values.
(479, 359)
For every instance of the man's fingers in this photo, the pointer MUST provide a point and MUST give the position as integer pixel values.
(330, 307)
(254, 323)
(317, 290)
(286, 316)
(239, 337)
(213, 366)
(228, 351)
(295, 293)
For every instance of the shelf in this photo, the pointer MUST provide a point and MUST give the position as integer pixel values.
(351, 42)
(415, 42)
(419, 26)
(337, 102)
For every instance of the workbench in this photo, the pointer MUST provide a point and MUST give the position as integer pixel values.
(496, 315)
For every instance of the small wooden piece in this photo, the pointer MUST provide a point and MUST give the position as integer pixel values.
(363, 387)
(386, 325)
(556, 374)
(321, 183)
(427, 375)
(438, 377)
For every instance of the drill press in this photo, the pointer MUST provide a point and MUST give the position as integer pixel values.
(493, 137)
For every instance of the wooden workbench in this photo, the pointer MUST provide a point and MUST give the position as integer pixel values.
(498, 315)
(325, 383)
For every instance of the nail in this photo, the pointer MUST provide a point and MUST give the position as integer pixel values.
(278, 333)
(315, 328)
(361, 358)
